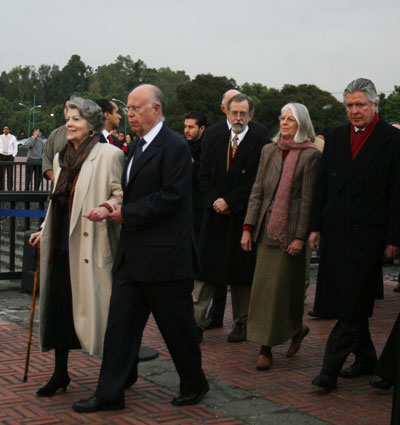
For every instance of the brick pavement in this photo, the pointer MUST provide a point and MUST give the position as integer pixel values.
(239, 394)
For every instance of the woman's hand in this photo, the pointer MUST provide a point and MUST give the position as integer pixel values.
(295, 247)
(97, 214)
(246, 240)
(34, 239)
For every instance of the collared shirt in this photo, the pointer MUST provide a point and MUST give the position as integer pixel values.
(229, 124)
(149, 137)
(106, 134)
(240, 135)
(8, 145)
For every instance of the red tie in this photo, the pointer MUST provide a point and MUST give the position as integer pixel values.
(110, 139)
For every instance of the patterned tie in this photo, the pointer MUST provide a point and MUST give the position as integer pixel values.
(235, 145)
(110, 139)
(138, 149)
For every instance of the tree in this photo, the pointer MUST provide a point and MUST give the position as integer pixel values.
(325, 111)
(389, 108)
(204, 94)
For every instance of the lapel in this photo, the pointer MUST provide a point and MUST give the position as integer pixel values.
(132, 147)
(221, 151)
(374, 144)
(150, 151)
(82, 186)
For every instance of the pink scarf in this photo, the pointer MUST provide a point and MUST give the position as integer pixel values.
(277, 228)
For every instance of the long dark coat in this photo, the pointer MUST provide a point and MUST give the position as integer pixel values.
(357, 210)
(222, 259)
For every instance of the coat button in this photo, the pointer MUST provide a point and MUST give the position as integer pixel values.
(356, 227)
(358, 201)
(334, 174)
(86, 260)
(86, 234)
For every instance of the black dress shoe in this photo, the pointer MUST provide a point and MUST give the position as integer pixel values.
(53, 385)
(325, 381)
(238, 334)
(188, 399)
(316, 316)
(212, 324)
(356, 370)
(94, 404)
(378, 382)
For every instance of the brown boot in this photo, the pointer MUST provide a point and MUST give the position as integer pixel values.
(264, 358)
(297, 340)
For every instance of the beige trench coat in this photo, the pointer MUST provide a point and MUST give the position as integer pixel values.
(92, 246)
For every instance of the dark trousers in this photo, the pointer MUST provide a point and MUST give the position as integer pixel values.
(348, 337)
(217, 310)
(9, 169)
(130, 307)
(33, 168)
(387, 360)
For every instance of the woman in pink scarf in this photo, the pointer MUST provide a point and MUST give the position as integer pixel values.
(277, 220)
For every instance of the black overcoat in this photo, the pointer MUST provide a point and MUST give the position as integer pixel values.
(357, 210)
(222, 259)
(156, 239)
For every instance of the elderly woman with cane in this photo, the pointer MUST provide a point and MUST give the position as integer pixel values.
(77, 243)
(277, 220)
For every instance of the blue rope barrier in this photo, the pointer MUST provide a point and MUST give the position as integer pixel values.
(22, 213)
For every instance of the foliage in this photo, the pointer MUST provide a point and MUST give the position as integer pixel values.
(49, 85)
(389, 108)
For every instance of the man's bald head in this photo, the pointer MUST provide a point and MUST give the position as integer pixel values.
(145, 108)
(226, 98)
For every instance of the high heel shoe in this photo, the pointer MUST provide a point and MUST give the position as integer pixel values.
(53, 385)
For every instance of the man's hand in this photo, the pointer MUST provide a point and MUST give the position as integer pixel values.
(246, 240)
(97, 214)
(221, 207)
(314, 241)
(392, 251)
(116, 216)
(295, 247)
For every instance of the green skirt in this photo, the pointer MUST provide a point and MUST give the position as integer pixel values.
(277, 296)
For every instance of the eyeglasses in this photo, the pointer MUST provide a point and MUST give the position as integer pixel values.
(283, 118)
(135, 109)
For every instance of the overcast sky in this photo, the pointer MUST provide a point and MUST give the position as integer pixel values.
(327, 42)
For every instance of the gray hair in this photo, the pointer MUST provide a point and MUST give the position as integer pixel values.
(364, 85)
(241, 98)
(305, 131)
(89, 110)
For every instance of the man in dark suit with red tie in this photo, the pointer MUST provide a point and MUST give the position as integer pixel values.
(112, 119)
(229, 163)
(355, 217)
(154, 267)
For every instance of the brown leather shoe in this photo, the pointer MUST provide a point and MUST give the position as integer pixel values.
(296, 341)
(264, 362)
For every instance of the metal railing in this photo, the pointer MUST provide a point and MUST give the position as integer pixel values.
(22, 176)
(19, 212)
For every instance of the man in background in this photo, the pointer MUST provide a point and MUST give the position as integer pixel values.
(8, 151)
(194, 127)
(112, 119)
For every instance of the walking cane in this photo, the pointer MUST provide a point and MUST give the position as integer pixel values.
(35, 281)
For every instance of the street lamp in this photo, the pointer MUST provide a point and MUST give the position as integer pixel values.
(126, 117)
(29, 116)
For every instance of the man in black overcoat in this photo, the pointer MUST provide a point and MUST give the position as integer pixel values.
(355, 217)
(228, 168)
(154, 265)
